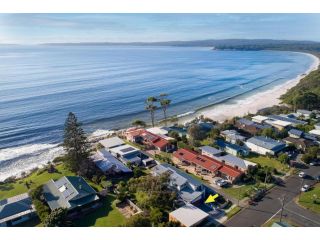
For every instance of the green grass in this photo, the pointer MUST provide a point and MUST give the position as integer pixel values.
(269, 162)
(270, 222)
(307, 199)
(11, 189)
(238, 192)
(233, 211)
(105, 216)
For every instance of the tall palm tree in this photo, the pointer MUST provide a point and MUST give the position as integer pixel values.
(164, 103)
(151, 107)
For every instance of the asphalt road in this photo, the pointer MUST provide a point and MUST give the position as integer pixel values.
(270, 206)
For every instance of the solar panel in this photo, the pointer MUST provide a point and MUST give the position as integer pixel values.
(129, 149)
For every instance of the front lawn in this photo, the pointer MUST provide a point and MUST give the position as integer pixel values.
(311, 199)
(11, 189)
(105, 216)
(267, 161)
(240, 192)
(233, 212)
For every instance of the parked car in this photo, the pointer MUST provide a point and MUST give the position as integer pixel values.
(258, 195)
(317, 178)
(221, 182)
(305, 188)
(314, 163)
(302, 174)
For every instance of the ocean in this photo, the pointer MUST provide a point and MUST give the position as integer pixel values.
(105, 86)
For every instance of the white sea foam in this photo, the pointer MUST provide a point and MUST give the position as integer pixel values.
(185, 114)
(101, 132)
(14, 161)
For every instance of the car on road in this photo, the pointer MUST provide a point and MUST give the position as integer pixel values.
(258, 195)
(221, 182)
(305, 188)
(302, 174)
(314, 163)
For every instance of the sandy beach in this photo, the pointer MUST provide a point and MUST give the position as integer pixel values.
(252, 103)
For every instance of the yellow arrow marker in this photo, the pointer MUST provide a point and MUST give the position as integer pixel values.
(211, 198)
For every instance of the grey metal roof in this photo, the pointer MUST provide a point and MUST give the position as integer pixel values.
(15, 205)
(211, 150)
(267, 143)
(189, 215)
(303, 111)
(233, 161)
(111, 142)
(68, 192)
(105, 161)
(296, 132)
(287, 119)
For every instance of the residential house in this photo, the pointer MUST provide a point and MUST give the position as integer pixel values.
(278, 124)
(108, 164)
(232, 136)
(158, 130)
(264, 145)
(259, 119)
(112, 142)
(317, 126)
(293, 122)
(182, 131)
(249, 126)
(71, 192)
(304, 113)
(207, 165)
(315, 132)
(299, 143)
(295, 133)
(233, 149)
(210, 151)
(188, 216)
(16, 210)
(236, 162)
(127, 153)
(189, 189)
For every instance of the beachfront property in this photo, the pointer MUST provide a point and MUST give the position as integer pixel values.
(232, 136)
(233, 149)
(207, 165)
(189, 189)
(265, 145)
(127, 153)
(70, 192)
(249, 126)
(285, 119)
(278, 124)
(148, 139)
(304, 113)
(16, 210)
(108, 164)
(182, 131)
(259, 119)
(315, 132)
(188, 216)
(112, 142)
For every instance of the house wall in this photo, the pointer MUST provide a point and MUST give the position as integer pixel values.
(259, 149)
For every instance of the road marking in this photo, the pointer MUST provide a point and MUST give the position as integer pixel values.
(300, 215)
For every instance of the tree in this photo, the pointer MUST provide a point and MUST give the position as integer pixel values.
(283, 158)
(137, 172)
(138, 123)
(307, 158)
(267, 132)
(195, 134)
(151, 107)
(174, 135)
(75, 143)
(138, 220)
(214, 133)
(156, 216)
(164, 103)
(56, 218)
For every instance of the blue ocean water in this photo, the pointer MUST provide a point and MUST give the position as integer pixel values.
(106, 87)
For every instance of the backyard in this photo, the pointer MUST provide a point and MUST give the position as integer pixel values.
(311, 199)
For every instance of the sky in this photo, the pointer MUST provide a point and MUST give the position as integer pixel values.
(52, 28)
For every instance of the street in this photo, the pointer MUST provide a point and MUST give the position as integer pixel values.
(270, 206)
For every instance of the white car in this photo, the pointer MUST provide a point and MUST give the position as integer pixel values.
(302, 174)
(221, 182)
(305, 188)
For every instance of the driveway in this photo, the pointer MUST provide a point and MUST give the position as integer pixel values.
(270, 205)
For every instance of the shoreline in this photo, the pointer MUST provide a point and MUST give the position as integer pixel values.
(252, 102)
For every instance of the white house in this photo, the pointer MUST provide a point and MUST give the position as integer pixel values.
(264, 145)
(259, 119)
(112, 142)
(127, 153)
(210, 151)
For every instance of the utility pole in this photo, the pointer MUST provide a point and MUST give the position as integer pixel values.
(282, 206)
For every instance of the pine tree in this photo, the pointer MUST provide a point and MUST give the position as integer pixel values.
(75, 143)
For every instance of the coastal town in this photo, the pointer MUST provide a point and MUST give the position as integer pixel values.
(261, 169)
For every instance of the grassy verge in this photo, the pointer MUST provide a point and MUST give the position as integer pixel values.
(311, 199)
(233, 211)
(241, 191)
